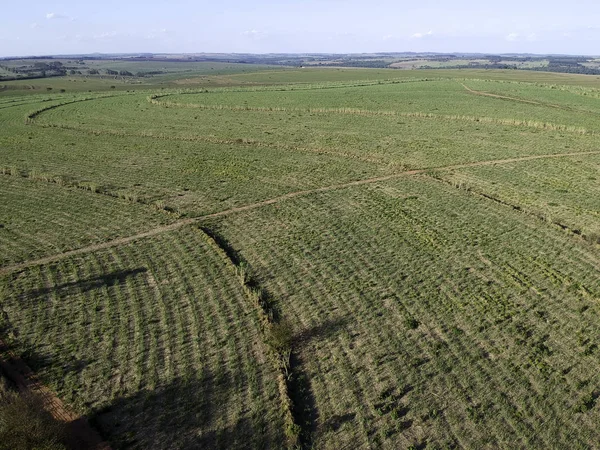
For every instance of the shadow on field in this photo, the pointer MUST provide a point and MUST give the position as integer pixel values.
(305, 409)
(324, 330)
(231, 253)
(81, 286)
(186, 414)
(40, 361)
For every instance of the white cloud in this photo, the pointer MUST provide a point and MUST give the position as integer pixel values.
(513, 37)
(158, 33)
(422, 35)
(34, 25)
(255, 34)
(57, 16)
(53, 15)
(107, 35)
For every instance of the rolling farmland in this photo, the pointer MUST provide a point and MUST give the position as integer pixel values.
(310, 258)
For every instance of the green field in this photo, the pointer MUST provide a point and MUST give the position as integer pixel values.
(231, 256)
(412, 63)
(144, 74)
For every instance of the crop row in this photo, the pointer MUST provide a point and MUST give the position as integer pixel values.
(562, 192)
(428, 316)
(440, 97)
(364, 112)
(154, 341)
(401, 139)
(37, 219)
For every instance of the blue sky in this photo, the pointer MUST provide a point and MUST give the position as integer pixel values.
(46, 27)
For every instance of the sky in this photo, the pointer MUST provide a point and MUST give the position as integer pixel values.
(47, 27)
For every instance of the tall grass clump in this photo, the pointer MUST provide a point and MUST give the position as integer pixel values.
(90, 186)
(26, 425)
(277, 334)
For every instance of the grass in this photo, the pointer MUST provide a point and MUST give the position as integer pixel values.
(563, 192)
(154, 341)
(387, 266)
(51, 219)
(426, 298)
(440, 98)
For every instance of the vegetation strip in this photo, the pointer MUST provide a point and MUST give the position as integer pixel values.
(34, 114)
(184, 222)
(592, 238)
(276, 331)
(364, 112)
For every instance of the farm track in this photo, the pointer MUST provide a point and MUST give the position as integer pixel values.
(184, 222)
(96, 247)
(80, 433)
(504, 97)
(522, 100)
